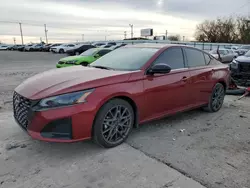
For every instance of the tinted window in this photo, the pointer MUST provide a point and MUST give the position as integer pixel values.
(195, 57)
(103, 52)
(112, 43)
(173, 57)
(71, 45)
(207, 58)
(89, 52)
(126, 58)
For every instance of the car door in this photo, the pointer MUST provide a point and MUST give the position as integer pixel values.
(201, 75)
(166, 93)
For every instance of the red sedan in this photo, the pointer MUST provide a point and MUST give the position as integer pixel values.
(119, 91)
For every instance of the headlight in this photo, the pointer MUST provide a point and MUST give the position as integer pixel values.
(234, 64)
(71, 62)
(65, 99)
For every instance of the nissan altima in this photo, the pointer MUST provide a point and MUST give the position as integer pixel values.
(119, 91)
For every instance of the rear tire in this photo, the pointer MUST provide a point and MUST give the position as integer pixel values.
(113, 123)
(217, 98)
(61, 51)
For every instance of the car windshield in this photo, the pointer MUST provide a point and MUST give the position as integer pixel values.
(247, 54)
(245, 47)
(126, 58)
(89, 52)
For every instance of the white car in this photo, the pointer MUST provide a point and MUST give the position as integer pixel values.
(226, 55)
(4, 47)
(63, 48)
(28, 46)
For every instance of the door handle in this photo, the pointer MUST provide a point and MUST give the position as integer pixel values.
(184, 79)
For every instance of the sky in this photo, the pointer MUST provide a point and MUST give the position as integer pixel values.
(93, 20)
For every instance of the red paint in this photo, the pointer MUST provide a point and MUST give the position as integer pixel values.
(155, 96)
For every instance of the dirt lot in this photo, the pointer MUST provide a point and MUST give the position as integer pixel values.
(212, 149)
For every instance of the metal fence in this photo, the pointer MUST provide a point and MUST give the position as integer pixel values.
(200, 45)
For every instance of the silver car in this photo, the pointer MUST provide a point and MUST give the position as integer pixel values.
(226, 55)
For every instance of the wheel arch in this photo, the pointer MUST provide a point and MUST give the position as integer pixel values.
(223, 83)
(127, 99)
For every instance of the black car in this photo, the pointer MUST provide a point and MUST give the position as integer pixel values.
(240, 70)
(78, 50)
(20, 48)
(111, 43)
(243, 49)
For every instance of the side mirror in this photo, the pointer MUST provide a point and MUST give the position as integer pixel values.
(159, 69)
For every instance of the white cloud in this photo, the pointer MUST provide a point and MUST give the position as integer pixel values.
(67, 20)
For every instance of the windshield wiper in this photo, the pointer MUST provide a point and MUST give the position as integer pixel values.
(102, 67)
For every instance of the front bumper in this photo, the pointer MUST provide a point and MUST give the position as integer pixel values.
(64, 65)
(66, 124)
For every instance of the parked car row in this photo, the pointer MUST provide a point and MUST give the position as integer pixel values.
(70, 48)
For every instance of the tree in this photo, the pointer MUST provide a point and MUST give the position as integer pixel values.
(174, 37)
(243, 30)
(219, 30)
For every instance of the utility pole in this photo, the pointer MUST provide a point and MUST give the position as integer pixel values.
(125, 34)
(14, 40)
(46, 35)
(82, 37)
(183, 38)
(21, 32)
(166, 35)
(131, 26)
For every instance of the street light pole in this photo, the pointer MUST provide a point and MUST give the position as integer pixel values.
(46, 31)
(131, 26)
(21, 32)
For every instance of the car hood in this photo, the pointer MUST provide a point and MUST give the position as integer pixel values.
(73, 58)
(66, 80)
(244, 59)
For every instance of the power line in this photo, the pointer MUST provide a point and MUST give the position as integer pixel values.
(231, 14)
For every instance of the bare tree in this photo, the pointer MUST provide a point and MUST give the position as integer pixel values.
(219, 30)
(174, 37)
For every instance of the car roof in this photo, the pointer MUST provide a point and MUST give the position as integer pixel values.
(153, 45)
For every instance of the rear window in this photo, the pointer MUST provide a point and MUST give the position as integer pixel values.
(195, 57)
(207, 58)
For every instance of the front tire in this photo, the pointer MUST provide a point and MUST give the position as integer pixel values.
(85, 64)
(113, 123)
(217, 98)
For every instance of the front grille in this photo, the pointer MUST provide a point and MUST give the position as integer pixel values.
(21, 107)
(244, 67)
(60, 62)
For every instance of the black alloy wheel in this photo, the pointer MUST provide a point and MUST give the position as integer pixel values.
(113, 123)
(216, 99)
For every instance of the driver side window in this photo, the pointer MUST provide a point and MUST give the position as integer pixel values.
(172, 57)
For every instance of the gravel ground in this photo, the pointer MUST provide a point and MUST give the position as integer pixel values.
(211, 148)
